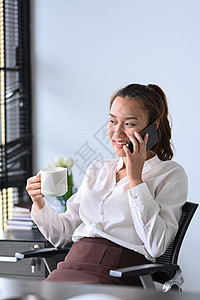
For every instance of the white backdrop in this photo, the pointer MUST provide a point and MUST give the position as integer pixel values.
(83, 50)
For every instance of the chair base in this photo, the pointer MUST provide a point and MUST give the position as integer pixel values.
(175, 283)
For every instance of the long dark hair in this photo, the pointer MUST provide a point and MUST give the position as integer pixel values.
(155, 103)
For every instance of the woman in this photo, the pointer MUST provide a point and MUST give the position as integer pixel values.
(127, 209)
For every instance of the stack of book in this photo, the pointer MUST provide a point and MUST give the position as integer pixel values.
(21, 220)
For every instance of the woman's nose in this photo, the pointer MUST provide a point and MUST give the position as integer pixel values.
(119, 130)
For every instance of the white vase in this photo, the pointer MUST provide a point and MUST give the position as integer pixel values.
(54, 203)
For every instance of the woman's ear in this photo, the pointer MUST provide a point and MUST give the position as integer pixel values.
(157, 123)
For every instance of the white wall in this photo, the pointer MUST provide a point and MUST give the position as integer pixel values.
(82, 50)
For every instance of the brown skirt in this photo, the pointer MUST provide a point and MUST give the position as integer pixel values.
(91, 259)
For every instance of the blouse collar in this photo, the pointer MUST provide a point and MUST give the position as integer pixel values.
(149, 164)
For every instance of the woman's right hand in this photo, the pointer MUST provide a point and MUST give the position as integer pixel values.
(33, 188)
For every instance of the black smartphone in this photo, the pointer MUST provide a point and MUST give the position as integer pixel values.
(152, 139)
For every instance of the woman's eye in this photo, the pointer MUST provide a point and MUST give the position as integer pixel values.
(130, 124)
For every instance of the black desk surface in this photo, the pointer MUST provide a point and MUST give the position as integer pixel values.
(15, 289)
(21, 235)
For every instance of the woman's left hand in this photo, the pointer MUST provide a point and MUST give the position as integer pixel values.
(135, 160)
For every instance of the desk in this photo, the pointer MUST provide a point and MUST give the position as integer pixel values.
(12, 241)
(62, 291)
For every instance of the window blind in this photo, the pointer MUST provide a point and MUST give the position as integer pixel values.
(15, 104)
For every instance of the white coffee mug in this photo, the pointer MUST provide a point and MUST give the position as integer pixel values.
(53, 181)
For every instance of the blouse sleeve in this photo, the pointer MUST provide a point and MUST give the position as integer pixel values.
(156, 216)
(58, 228)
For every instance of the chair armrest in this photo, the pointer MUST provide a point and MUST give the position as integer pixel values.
(43, 253)
(142, 270)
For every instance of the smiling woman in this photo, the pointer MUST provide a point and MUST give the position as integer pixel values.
(135, 199)
(132, 109)
(145, 104)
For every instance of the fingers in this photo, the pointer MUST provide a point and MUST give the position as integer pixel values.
(33, 187)
(139, 142)
(146, 138)
(33, 183)
(140, 139)
(135, 142)
(127, 151)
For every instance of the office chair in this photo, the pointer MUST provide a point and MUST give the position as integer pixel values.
(165, 270)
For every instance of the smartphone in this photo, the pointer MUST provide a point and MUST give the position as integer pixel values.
(152, 139)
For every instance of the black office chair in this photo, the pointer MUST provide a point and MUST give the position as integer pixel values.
(165, 270)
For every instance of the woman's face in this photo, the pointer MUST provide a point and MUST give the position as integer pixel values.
(126, 116)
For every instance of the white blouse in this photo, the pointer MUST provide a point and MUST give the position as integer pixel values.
(144, 218)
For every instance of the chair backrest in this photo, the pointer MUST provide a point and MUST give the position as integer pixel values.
(171, 254)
